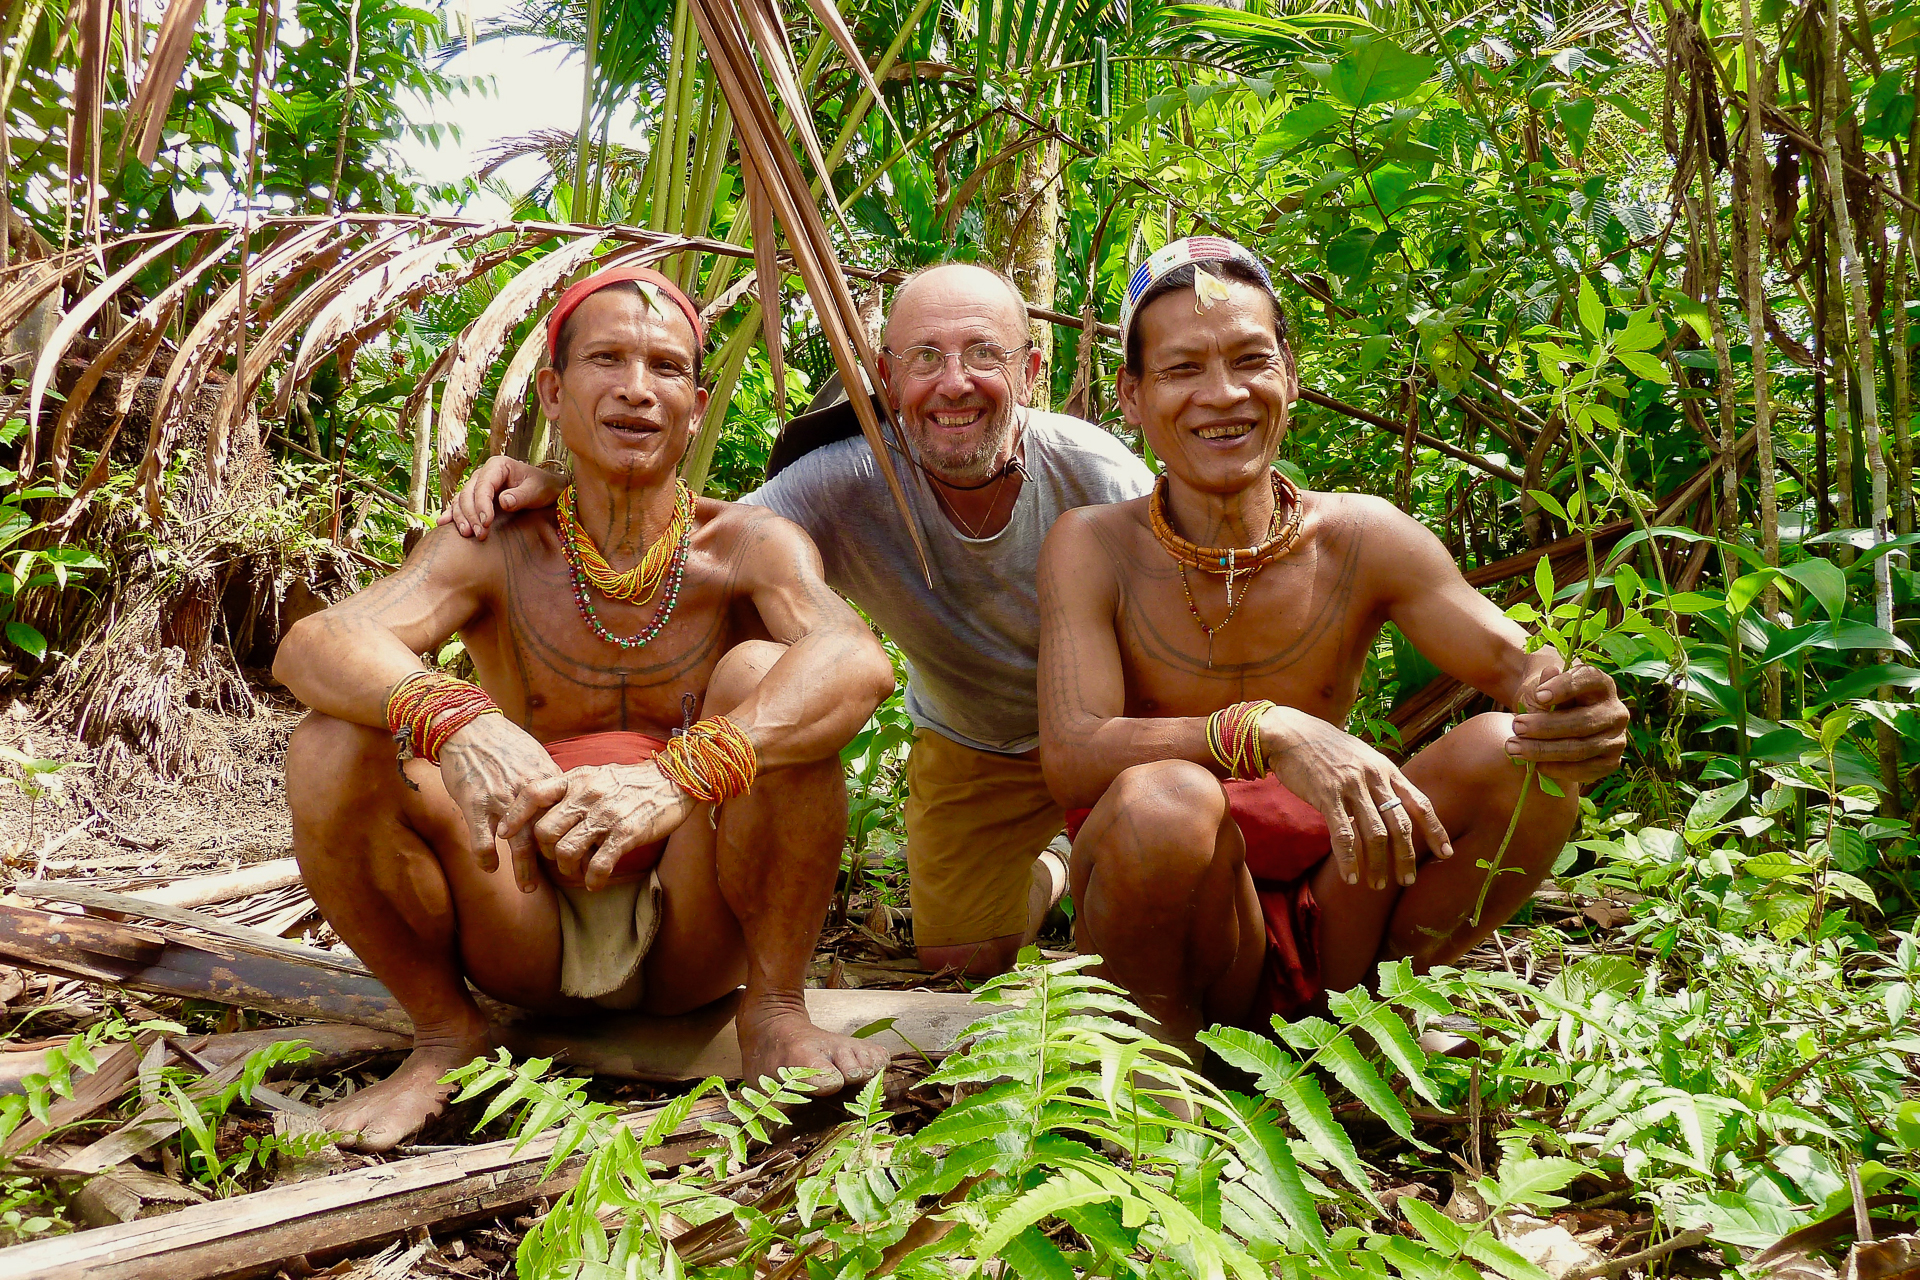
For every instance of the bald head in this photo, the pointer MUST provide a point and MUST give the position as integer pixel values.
(957, 287)
(961, 417)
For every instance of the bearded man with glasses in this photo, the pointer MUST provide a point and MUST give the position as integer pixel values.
(993, 475)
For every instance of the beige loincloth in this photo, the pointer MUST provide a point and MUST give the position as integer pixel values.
(604, 938)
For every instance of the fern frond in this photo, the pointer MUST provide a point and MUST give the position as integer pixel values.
(1337, 1052)
(1390, 1032)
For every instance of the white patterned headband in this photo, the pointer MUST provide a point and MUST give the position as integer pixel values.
(1182, 253)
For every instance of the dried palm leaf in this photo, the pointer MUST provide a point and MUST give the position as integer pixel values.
(28, 284)
(418, 407)
(766, 269)
(357, 302)
(363, 306)
(77, 319)
(92, 24)
(836, 27)
(129, 387)
(237, 399)
(148, 323)
(481, 341)
(148, 115)
(510, 401)
(727, 42)
(393, 303)
(207, 341)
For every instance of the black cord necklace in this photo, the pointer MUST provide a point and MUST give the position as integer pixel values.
(1012, 464)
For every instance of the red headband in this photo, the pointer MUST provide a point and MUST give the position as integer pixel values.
(579, 293)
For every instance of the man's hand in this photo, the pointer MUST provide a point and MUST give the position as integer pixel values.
(588, 818)
(485, 766)
(501, 484)
(1348, 782)
(1570, 723)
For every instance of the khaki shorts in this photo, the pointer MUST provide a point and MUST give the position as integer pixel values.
(976, 821)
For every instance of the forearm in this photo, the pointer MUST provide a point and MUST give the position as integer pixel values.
(1083, 755)
(343, 666)
(815, 698)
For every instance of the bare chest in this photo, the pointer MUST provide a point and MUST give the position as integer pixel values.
(1295, 633)
(541, 657)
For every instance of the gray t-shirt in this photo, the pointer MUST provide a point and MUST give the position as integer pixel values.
(972, 643)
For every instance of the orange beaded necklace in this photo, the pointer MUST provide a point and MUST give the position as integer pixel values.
(1227, 562)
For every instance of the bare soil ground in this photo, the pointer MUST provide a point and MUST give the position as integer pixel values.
(125, 825)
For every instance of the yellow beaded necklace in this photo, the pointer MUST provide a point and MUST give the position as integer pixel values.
(639, 582)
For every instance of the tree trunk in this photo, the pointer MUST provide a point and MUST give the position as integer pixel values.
(1757, 183)
(1022, 233)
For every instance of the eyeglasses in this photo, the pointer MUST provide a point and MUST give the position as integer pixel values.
(983, 359)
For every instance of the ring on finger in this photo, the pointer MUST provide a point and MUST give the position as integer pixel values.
(1390, 805)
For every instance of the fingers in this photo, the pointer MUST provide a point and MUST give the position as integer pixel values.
(480, 829)
(1401, 855)
(616, 844)
(1577, 721)
(1567, 750)
(1346, 845)
(1376, 836)
(1425, 821)
(533, 800)
(1577, 685)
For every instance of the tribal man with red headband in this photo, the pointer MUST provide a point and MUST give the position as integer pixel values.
(1238, 853)
(664, 686)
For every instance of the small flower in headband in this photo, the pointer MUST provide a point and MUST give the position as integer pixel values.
(1208, 288)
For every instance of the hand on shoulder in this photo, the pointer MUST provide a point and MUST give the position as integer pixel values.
(500, 486)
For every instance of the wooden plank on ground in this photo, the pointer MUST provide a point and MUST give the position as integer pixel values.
(240, 936)
(333, 1044)
(258, 1234)
(703, 1043)
(198, 891)
(200, 969)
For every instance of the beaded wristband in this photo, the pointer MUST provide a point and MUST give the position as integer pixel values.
(1233, 736)
(713, 761)
(428, 707)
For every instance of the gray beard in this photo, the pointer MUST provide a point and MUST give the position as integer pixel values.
(977, 463)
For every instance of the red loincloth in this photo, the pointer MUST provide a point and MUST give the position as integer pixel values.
(616, 747)
(1286, 840)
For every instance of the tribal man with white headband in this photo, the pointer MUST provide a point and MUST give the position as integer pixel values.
(994, 476)
(1238, 854)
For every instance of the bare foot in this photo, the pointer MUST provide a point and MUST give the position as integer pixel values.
(384, 1115)
(775, 1032)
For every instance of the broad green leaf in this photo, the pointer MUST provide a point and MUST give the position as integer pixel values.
(1747, 588)
(1377, 70)
(1644, 366)
(1269, 1064)
(1548, 502)
(1440, 1231)
(1525, 1181)
(1034, 1257)
(1270, 1157)
(1714, 805)
(28, 640)
(1337, 1053)
(1483, 1248)
(1593, 316)
(1643, 333)
(1825, 581)
(1543, 582)
(1773, 864)
(1391, 1034)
